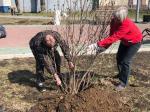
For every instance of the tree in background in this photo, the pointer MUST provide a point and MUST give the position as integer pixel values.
(149, 5)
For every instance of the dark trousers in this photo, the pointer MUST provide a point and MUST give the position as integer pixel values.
(124, 57)
(55, 63)
(12, 11)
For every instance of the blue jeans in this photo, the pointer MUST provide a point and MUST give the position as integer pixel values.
(124, 57)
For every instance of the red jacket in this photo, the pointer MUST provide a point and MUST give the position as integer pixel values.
(126, 31)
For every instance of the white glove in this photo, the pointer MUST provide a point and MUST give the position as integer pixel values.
(91, 49)
(94, 48)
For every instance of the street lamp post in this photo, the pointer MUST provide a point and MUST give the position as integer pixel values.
(137, 10)
(149, 5)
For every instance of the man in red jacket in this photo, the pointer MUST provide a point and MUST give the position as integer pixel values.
(123, 29)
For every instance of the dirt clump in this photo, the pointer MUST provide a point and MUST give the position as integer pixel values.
(90, 100)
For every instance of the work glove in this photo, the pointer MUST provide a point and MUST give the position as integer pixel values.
(94, 47)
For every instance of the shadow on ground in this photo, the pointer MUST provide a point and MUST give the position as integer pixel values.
(28, 78)
(22, 77)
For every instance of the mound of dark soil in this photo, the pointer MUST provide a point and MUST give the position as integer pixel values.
(91, 100)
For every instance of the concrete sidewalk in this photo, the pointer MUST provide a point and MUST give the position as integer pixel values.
(8, 53)
(16, 44)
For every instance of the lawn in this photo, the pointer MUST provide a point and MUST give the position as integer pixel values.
(19, 94)
(23, 21)
(37, 21)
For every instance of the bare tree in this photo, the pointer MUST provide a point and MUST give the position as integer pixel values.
(82, 28)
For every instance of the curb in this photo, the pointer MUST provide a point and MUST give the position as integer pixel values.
(27, 55)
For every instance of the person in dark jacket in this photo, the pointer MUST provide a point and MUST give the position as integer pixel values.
(43, 46)
(123, 29)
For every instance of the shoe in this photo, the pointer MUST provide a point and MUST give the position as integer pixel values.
(40, 84)
(116, 76)
(43, 90)
(120, 87)
(41, 87)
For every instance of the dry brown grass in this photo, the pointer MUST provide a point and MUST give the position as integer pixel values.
(18, 92)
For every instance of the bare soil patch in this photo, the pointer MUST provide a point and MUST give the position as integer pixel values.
(19, 94)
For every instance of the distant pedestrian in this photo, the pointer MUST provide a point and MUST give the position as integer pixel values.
(13, 7)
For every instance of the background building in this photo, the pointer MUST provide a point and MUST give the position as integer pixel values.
(4, 5)
(29, 5)
(51, 5)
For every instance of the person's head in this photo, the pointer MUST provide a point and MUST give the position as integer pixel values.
(49, 40)
(120, 14)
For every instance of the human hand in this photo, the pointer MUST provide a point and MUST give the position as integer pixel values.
(58, 81)
(94, 48)
(100, 49)
(71, 65)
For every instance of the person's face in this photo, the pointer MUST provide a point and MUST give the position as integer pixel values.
(49, 41)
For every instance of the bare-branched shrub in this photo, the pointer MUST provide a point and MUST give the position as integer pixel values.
(83, 27)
